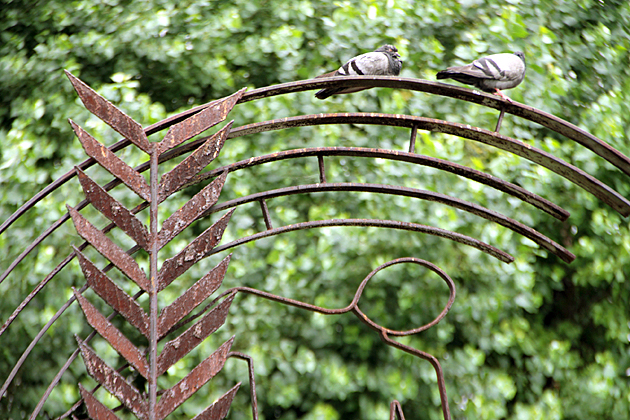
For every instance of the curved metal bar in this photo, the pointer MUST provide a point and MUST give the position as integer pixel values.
(441, 164)
(545, 119)
(391, 224)
(476, 209)
(383, 332)
(446, 412)
(566, 170)
(451, 298)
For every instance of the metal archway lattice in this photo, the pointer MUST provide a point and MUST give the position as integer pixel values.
(158, 325)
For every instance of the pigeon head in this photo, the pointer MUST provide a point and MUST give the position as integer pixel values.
(389, 49)
(520, 55)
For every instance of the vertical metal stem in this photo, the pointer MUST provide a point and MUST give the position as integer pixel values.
(322, 169)
(412, 141)
(153, 272)
(265, 210)
(496, 130)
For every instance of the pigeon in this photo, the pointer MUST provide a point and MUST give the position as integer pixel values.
(384, 61)
(491, 73)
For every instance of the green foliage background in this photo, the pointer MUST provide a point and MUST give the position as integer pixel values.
(534, 339)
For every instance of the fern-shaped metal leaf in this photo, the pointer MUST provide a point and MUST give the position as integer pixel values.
(187, 302)
(193, 164)
(153, 326)
(112, 163)
(114, 210)
(113, 381)
(177, 348)
(109, 249)
(216, 112)
(191, 211)
(111, 115)
(114, 337)
(113, 295)
(96, 409)
(219, 409)
(198, 377)
(198, 249)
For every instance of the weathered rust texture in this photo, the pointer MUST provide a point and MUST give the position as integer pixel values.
(115, 297)
(123, 261)
(193, 252)
(96, 409)
(113, 381)
(189, 339)
(198, 377)
(114, 210)
(112, 163)
(192, 297)
(114, 337)
(216, 112)
(219, 409)
(109, 113)
(189, 167)
(191, 211)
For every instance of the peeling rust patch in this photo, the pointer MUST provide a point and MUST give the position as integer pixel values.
(197, 378)
(193, 297)
(193, 252)
(189, 167)
(115, 297)
(114, 210)
(127, 265)
(189, 339)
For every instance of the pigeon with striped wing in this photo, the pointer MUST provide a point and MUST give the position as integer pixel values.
(384, 61)
(491, 73)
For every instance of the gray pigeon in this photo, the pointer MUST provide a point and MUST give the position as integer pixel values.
(385, 61)
(491, 73)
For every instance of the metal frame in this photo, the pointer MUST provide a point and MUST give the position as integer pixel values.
(156, 325)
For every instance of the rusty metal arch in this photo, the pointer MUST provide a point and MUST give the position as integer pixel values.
(605, 193)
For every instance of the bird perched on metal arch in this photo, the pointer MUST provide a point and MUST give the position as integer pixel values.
(491, 73)
(384, 61)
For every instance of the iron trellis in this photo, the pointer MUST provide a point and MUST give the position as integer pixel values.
(159, 324)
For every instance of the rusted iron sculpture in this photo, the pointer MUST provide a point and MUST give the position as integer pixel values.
(172, 319)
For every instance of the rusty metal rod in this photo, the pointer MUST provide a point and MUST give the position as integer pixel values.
(412, 140)
(322, 169)
(532, 114)
(252, 380)
(545, 119)
(476, 209)
(547, 160)
(441, 164)
(390, 224)
(265, 212)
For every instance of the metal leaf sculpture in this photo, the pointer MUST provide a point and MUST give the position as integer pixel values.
(153, 326)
